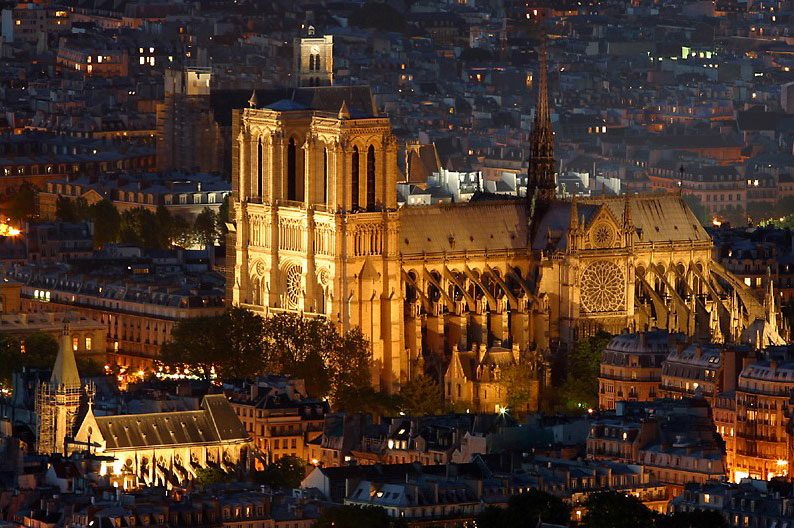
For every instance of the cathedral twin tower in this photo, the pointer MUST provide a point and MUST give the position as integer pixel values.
(317, 232)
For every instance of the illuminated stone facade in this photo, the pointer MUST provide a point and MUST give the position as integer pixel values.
(167, 448)
(317, 231)
(632, 367)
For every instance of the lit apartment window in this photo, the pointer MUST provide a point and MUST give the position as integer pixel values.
(88, 343)
(75, 342)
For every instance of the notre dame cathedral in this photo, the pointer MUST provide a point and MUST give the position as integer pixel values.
(317, 231)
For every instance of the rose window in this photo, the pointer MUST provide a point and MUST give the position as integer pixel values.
(603, 288)
(293, 286)
(602, 236)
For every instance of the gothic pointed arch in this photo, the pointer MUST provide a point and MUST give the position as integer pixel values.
(370, 177)
(292, 170)
(354, 178)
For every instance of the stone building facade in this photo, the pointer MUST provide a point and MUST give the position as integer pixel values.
(317, 232)
(632, 367)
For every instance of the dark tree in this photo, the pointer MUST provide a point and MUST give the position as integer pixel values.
(9, 356)
(378, 15)
(205, 227)
(68, 210)
(210, 475)
(181, 232)
(492, 517)
(353, 400)
(223, 216)
(139, 227)
(580, 389)
(64, 209)
(534, 505)
(40, 351)
(612, 509)
(165, 223)
(244, 341)
(198, 343)
(313, 350)
(107, 222)
(525, 510)
(421, 396)
(700, 212)
(693, 519)
(356, 517)
(232, 343)
(521, 384)
(285, 473)
(21, 205)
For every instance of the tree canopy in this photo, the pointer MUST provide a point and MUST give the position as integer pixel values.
(212, 475)
(312, 349)
(140, 226)
(525, 510)
(421, 396)
(698, 209)
(520, 383)
(580, 389)
(232, 343)
(693, 519)
(40, 352)
(612, 509)
(21, 204)
(378, 15)
(356, 517)
(241, 344)
(285, 473)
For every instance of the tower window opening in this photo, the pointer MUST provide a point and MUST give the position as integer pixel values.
(354, 179)
(292, 191)
(325, 176)
(371, 176)
(260, 168)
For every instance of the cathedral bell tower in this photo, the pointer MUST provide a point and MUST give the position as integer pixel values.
(316, 222)
(541, 172)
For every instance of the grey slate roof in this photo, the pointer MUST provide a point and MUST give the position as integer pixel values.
(215, 422)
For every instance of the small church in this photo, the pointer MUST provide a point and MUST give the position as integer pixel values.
(155, 449)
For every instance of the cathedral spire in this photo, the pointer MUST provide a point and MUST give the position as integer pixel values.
(574, 220)
(540, 174)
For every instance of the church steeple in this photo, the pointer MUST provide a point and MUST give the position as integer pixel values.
(64, 373)
(540, 175)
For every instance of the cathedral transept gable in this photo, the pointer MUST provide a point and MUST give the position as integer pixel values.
(659, 218)
(656, 219)
(603, 231)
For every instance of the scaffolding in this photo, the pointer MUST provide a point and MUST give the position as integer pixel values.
(56, 414)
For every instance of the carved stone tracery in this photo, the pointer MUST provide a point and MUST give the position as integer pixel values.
(603, 287)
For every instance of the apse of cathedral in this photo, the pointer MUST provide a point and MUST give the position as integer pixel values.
(463, 290)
